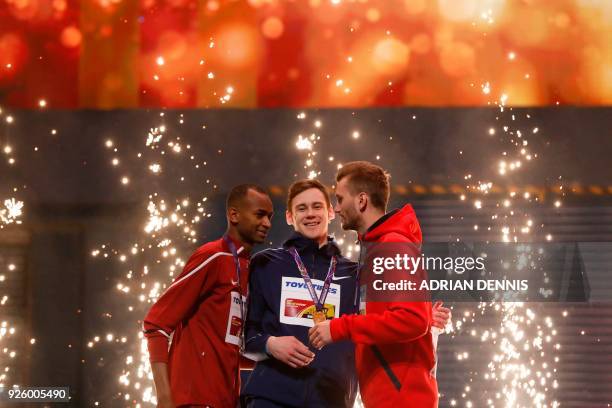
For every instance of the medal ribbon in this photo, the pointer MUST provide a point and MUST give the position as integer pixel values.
(319, 300)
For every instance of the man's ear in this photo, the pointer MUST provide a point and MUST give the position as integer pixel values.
(289, 217)
(233, 215)
(362, 201)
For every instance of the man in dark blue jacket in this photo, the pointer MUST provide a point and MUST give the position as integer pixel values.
(282, 309)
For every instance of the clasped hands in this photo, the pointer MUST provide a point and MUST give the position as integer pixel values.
(296, 354)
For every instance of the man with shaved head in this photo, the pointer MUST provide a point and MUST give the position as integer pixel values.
(201, 313)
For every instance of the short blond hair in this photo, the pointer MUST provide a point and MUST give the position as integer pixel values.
(366, 177)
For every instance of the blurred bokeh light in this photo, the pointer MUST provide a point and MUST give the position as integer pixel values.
(316, 53)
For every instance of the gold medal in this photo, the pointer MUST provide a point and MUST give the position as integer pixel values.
(319, 316)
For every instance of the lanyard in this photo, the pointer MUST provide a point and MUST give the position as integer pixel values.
(234, 252)
(319, 300)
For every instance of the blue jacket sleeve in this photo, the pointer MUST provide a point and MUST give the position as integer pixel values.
(255, 337)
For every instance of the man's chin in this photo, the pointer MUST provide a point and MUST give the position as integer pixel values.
(311, 235)
(259, 239)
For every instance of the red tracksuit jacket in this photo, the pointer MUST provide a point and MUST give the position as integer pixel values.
(200, 315)
(400, 332)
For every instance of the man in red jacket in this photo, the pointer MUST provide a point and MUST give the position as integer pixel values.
(203, 309)
(394, 354)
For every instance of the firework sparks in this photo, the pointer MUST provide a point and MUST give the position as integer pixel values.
(12, 208)
(170, 226)
(523, 363)
(11, 212)
(170, 229)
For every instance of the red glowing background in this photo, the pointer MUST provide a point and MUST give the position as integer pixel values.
(107, 54)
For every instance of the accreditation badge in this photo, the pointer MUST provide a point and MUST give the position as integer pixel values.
(234, 319)
(362, 299)
(298, 308)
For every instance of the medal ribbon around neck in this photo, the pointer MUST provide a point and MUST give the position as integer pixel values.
(319, 300)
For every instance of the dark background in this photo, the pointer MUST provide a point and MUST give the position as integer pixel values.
(63, 297)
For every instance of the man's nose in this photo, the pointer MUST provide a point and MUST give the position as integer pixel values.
(267, 222)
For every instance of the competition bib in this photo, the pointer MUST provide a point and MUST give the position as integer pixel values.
(234, 319)
(296, 304)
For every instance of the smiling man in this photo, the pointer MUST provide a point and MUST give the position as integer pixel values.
(201, 313)
(306, 279)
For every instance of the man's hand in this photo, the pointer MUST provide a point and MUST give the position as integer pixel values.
(290, 351)
(320, 335)
(441, 315)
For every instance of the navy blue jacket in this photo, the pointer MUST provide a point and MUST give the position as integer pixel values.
(330, 379)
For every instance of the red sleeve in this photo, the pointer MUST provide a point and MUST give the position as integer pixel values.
(175, 303)
(401, 322)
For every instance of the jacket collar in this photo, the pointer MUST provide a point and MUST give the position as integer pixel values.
(242, 252)
(307, 245)
(378, 223)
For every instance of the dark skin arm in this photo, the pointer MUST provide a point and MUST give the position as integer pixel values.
(162, 385)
